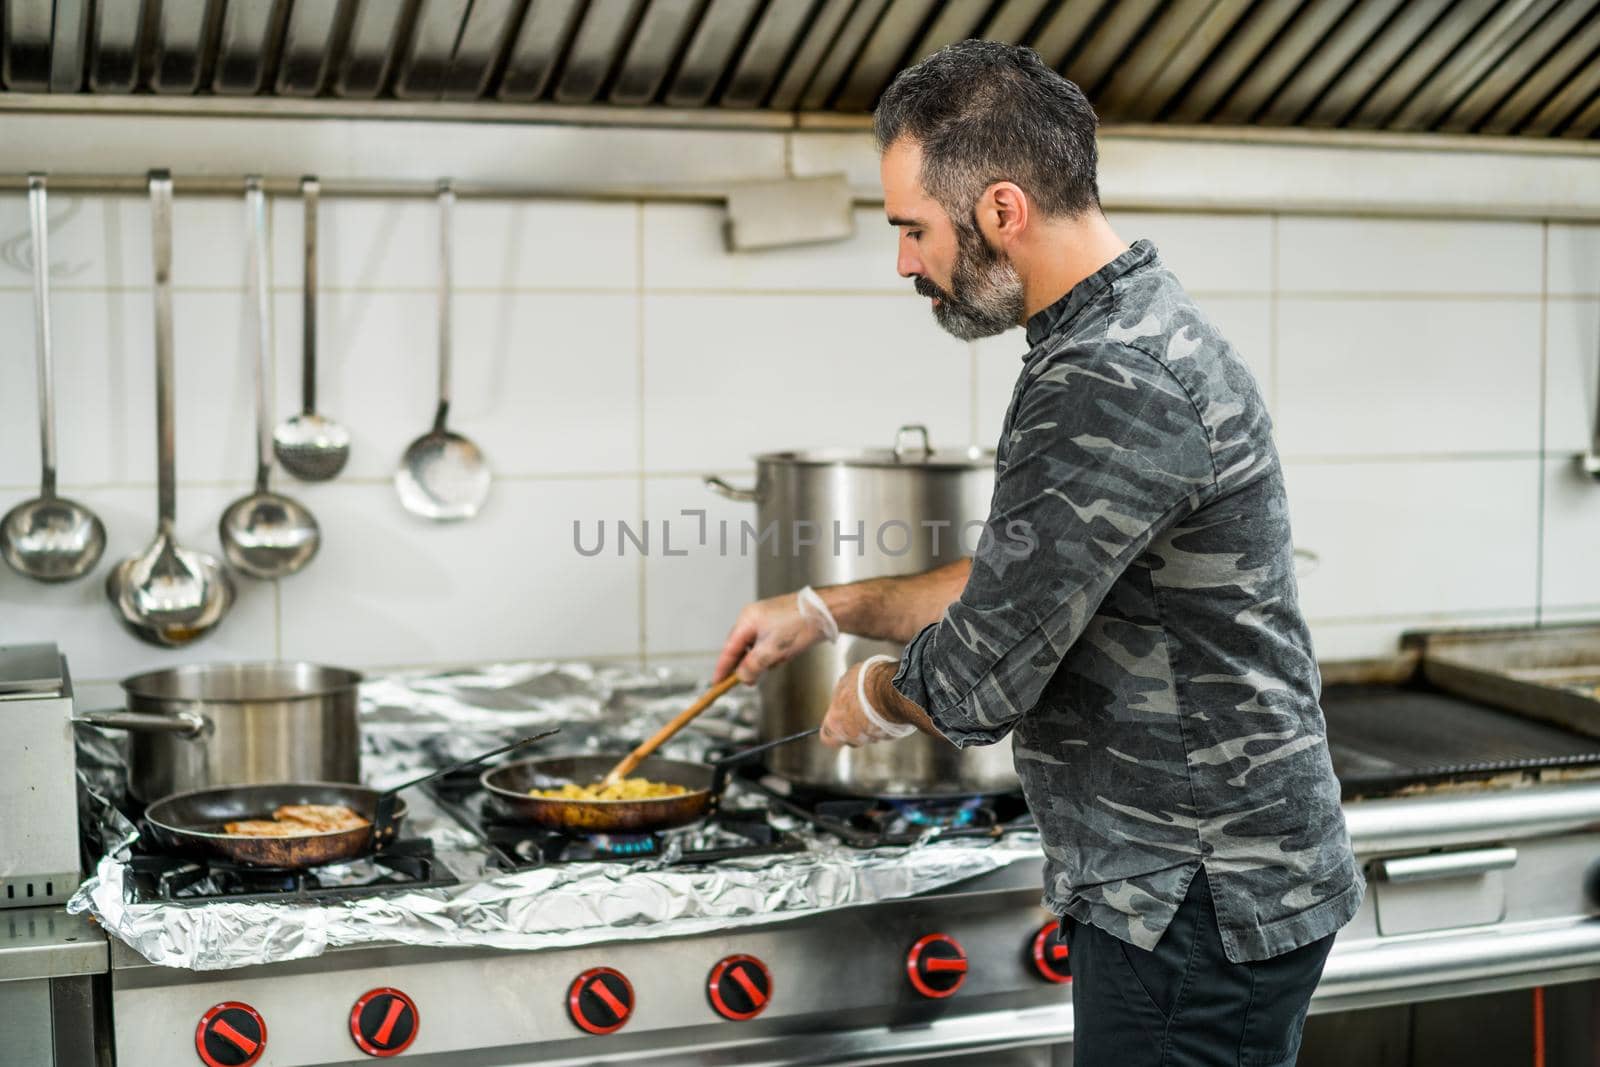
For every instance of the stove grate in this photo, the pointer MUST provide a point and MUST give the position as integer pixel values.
(872, 822)
(405, 865)
(729, 833)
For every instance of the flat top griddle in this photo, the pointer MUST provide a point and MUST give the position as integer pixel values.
(1384, 738)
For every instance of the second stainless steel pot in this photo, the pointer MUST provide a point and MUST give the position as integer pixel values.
(834, 516)
(217, 724)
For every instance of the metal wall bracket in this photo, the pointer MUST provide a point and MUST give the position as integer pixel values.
(795, 211)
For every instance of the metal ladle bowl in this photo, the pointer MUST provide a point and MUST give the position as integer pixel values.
(52, 539)
(310, 446)
(443, 476)
(264, 534)
(48, 538)
(268, 535)
(167, 595)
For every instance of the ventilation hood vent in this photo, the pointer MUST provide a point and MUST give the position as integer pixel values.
(1504, 67)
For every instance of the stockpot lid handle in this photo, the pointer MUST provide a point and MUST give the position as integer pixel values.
(904, 447)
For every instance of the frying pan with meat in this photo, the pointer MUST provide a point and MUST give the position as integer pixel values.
(195, 822)
(509, 783)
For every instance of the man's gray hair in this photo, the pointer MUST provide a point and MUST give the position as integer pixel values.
(984, 112)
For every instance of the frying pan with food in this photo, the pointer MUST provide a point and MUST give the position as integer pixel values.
(509, 783)
(196, 822)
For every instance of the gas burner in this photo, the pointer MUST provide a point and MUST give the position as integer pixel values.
(405, 865)
(514, 846)
(868, 822)
(942, 813)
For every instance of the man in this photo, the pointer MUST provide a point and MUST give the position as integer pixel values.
(1146, 648)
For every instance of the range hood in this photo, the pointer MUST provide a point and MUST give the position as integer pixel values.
(1503, 67)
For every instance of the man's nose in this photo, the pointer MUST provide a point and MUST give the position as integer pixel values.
(908, 264)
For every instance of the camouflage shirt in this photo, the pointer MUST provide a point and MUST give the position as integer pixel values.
(1132, 616)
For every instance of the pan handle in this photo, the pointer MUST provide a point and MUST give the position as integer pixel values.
(383, 815)
(756, 750)
(187, 724)
(720, 768)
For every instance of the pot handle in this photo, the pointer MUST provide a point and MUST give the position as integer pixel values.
(911, 439)
(732, 492)
(187, 724)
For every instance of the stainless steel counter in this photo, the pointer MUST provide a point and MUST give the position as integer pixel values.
(38, 943)
(49, 961)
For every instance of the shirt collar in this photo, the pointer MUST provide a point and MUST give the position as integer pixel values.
(1053, 318)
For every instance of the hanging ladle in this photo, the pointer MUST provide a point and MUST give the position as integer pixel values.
(443, 476)
(48, 538)
(311, 447)
(167, 595)
(264, 534)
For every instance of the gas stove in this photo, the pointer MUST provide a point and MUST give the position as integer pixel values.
(877, 822)
(1474, 887)
(730, 832)
(404, 865)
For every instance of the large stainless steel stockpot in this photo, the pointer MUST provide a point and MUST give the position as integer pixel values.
(218, 724)
(831, 516)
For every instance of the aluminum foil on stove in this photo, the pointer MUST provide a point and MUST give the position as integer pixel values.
(543, 908)
(417, 721)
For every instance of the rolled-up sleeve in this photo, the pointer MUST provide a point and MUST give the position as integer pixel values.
(1105, 451)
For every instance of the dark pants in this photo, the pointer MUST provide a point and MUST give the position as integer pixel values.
(1184, 1004)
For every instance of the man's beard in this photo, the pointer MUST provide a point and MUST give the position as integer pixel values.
(986, 292)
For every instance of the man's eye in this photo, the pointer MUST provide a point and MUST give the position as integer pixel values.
(914, 234)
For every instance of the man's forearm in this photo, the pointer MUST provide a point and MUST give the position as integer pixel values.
(896, 609)
(889, 703)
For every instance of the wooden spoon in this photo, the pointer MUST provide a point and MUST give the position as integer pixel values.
(632, 760)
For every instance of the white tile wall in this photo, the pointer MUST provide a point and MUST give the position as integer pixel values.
(691, 599)
(1575, 259)
(388, 589)
(608, 353)
(542, 382)
(1571, 518)
(1208, 253)
(104, 348)
(97, 242)
(1572, 372)
(1374, 377)
(683, 249)
(1416, 537)
(727, 376)
(1388, 256)
(394, 244)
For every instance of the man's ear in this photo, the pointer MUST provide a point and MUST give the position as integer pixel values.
(1003, 213)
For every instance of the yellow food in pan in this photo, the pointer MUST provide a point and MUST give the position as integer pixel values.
(627, 789)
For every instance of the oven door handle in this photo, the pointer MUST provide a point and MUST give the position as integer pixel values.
(1446, 864)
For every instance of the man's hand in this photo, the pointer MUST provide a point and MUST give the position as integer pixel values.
(848, 723)
(770, 632)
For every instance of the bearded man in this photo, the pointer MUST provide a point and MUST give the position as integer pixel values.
(1147, 653)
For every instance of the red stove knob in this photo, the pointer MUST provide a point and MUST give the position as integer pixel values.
(1048, 951)
(231, 1034)
(600, 1000)
(740, 987)
(936, 965)
(384, 1022)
